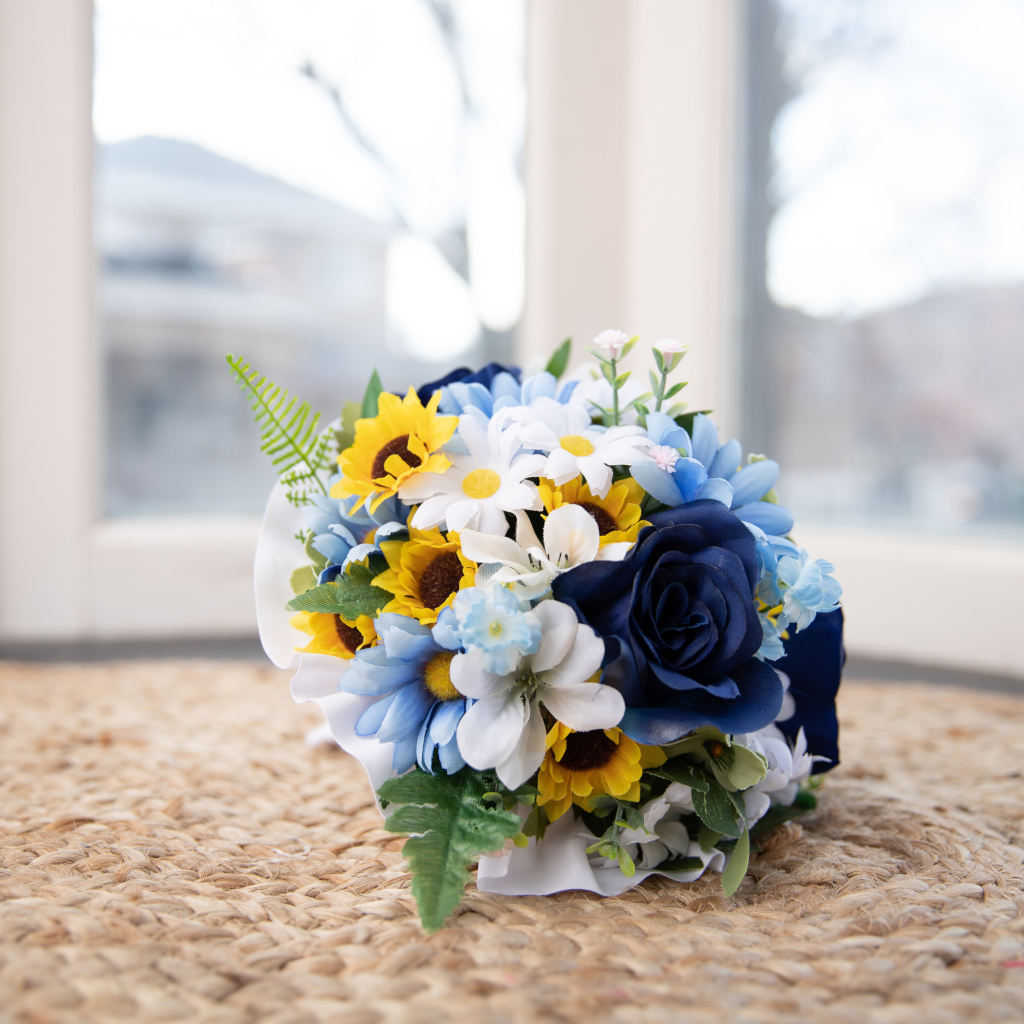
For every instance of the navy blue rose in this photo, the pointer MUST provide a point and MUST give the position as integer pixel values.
(814, 661)
(680, 625)
(464, 375)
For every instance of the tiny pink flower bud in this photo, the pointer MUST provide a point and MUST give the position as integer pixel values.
(611, 342)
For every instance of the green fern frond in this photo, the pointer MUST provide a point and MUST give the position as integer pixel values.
(288, 434)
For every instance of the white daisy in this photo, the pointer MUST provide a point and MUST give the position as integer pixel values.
(571, 537)
(504, 729)
(486, 480)
(575, 445)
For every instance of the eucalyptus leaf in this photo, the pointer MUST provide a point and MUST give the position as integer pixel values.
(450, 827)
(736, 869)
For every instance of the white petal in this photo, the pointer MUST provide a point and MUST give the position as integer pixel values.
(578, 663)
(423, 485)
(431, 512)
(526, 758)
(571, 536)
(518, 496)
(614, 552)
(585, 706)
(490, 519)
(464, 514)
(562, 467)
(597, 475)
(526, 535)
(471, 679)
(491, 729)
(486, 547)
(559, 624)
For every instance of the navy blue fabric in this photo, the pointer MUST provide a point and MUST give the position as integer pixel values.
(464, 375)
(680, 625)
(814, 662)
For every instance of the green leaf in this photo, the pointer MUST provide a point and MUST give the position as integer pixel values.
(349, 596)
(715, 809)
(735, 870)
(303, 579)
(626, 864)
(655, 382)
(621, 379)
(675, 389)
(558, 363)
(747, 768)
(707, 838)
(659, 360)
(371, 396)
(450, 827)
(346, 434)
(681, 771)
(298, 452)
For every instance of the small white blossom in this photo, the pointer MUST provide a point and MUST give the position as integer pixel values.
(611, 342)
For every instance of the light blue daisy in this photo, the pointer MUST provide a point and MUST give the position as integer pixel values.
(504, 392)
(341, 527)
(416, 707)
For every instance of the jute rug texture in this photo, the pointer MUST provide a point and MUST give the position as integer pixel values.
(171, 850)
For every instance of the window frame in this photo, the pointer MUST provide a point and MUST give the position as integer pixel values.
(632, 147)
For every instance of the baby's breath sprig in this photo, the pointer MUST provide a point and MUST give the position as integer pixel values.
(667, 356)
(611, 347)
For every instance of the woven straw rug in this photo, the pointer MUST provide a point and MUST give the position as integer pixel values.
(170, 850)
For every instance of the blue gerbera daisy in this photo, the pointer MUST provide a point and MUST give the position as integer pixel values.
(417, 706)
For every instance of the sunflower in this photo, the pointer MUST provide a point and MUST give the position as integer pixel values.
(401, 441)
(335, 635)
(617, 514)
(579, 766)
(424, 573)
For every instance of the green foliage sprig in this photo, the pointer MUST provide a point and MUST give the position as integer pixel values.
(450, 825)
(288, 434)
(352, 594)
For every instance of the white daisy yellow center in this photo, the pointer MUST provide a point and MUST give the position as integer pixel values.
(576, 445)
(481, 483)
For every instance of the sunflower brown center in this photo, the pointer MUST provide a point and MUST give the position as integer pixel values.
(349, 636)
(440, 579)
(605, 523)
(396, 446)
(586, 750)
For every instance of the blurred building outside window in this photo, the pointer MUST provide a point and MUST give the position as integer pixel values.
(331, 187)
(884, 253)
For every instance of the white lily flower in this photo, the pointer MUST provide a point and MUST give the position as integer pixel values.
(484, 482)
(788, 767)
(571, 538)
(504, 729)
(573, 444)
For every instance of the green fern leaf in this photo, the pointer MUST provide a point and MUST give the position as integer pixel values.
(449, 826)
(288, 434)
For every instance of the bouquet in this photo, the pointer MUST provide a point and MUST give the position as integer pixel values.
(564, 627)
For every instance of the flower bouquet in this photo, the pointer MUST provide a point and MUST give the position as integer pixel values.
(565, 628)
